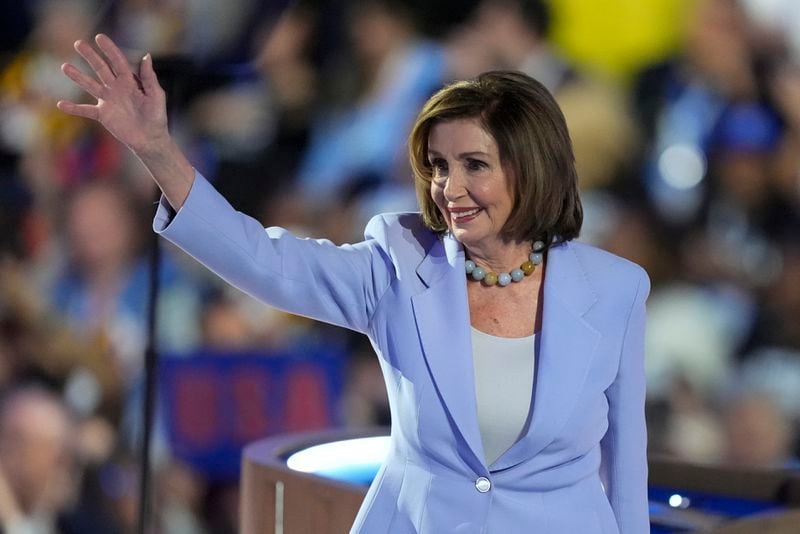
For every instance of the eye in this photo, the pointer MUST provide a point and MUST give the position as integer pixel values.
(439, 166)
(476, 164)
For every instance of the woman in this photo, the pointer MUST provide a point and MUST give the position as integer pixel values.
(457, 306)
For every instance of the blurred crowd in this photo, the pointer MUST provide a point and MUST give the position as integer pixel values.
(298, 113)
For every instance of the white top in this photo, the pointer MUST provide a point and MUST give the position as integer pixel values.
(504, 369)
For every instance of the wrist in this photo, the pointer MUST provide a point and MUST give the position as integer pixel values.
(154, 146)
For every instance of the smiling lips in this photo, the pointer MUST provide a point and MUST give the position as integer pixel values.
(461, 215)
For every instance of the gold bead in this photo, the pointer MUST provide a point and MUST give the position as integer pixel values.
(490, 279)
(528, 267)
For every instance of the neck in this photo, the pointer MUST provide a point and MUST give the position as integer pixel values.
(503, 257)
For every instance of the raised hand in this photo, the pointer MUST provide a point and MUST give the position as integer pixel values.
(131, 105)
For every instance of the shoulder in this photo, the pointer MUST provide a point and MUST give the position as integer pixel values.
(402, 238)
(609, 271)
(400, 230)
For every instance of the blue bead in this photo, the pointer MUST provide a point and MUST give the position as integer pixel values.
(503, 279)
(517, 274)
(536, 257)
(478, 273)
(470, 265)
(538, 245)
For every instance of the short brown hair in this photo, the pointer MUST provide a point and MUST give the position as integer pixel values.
(531, 134)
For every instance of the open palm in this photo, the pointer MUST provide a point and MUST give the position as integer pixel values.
(132, 106)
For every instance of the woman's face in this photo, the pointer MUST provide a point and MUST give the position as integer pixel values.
(469, 185)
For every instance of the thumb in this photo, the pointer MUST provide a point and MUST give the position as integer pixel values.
(148, 76)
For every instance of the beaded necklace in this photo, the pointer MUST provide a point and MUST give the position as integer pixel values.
(489, 278)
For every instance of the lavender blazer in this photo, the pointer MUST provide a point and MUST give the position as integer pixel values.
(405, 288)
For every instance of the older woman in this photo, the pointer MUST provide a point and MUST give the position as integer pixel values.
(513, 355)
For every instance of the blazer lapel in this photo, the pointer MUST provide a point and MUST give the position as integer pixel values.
(567, 347)
(442, 316)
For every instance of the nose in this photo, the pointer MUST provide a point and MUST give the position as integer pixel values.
(454, 187)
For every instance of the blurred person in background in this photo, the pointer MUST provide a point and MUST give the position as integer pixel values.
(39, 470)
(49, 154)
(26, 87)
(102, 287)
(224, 325)
(286, 55)
(234, 322)
(100, 291)
(624, 226)
(361, 142)
(251, 128)
(37, 344)
(692, 338)
(680, 101)
(723, 179)
(759, 433)
(46, 141)
(515, 35)
(745, 216)
(37, 463)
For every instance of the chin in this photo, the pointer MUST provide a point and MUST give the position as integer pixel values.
(465, 237)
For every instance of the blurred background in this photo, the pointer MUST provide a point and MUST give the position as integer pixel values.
(685, 116)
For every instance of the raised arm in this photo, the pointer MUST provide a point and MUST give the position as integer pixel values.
(341, 285)
(132, 106)
(315, 278)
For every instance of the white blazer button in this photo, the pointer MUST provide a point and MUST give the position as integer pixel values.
(483, 485)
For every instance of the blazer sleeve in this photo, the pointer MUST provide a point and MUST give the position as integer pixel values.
(340, 285)
(624, 446)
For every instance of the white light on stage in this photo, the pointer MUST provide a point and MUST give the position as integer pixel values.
(682, 166)
(334, 456)
(679, 501)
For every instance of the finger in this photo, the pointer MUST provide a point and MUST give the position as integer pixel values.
(79, 110)
(147, 75)
(87, 83)
(97, 63)
(115, 56)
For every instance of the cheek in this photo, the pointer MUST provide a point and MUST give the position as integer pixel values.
(437, 194)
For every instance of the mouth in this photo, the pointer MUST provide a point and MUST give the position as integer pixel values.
(462, 215)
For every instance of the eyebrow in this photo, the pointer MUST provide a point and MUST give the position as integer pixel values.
(463, 155)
